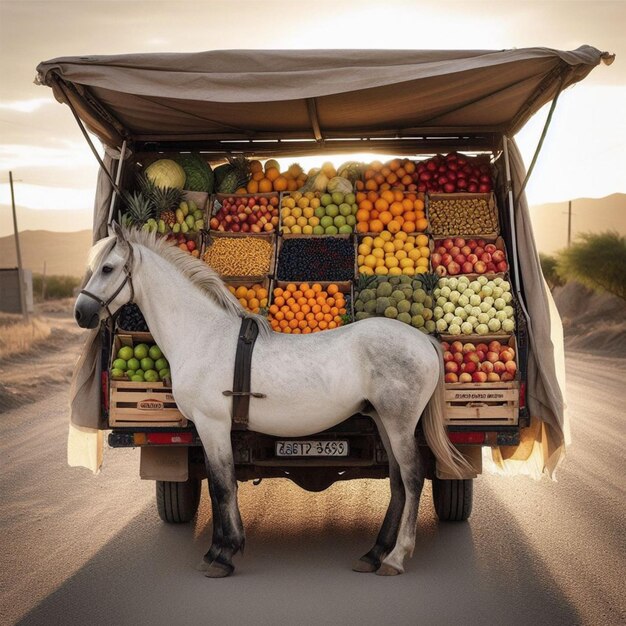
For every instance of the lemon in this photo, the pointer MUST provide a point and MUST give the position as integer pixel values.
(407, 247)
(425, 251)
(364, 269)
(290, 203)
(360, 259)
(391, 261)
(381, 270)
(406, 263)
(286, 230)
(380, 262)
(308, 212)
(303, 203)
(379, 253)
(363, 249)
(289, 221)
(401, 235)
(411, 239)
(388, 247)
(309, 195)
(315, 202)
(314, 221)
(370, 261)
(379, 242)
(307, 229)
(296, 229)
(385, 235)
(286, 212)
(414, 254)
(422, 262)
(408, 271)
(398, 244)
(395, 271)
(421, 270)
(296, 195)
(401, 254)
(297, 212)
(421, 241)
(368, 241)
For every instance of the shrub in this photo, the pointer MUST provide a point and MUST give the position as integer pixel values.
(549, 269)
(56, 286)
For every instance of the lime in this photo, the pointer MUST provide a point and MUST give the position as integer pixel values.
(151, 376)
(137, 378)
(125, 352)
(318, 230)
(130, 374)
(139, 373)
(326, 199)
(164, 373)
(339, 221)
(155, 352)
(351, 220)
(326, 221)
(350, 198)
(133, 364)
(161, 363)
(332, 210)
(141, 351)
(120, 364)
(345, 209)
(331, 230)
(338, 197)
(147, 364)
(320, 212)
(345, 229)
(118, 373)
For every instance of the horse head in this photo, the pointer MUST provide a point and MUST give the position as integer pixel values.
(110, 284)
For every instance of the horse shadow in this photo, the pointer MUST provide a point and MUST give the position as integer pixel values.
(296, 569)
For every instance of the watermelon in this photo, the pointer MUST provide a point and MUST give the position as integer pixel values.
(200, 177)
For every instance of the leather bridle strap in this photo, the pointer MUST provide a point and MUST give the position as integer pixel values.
(127, 279)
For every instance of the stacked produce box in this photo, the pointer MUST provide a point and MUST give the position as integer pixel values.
(415, 241)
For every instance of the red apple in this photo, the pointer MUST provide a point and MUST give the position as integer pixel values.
(490, 248)
(446, 259)
(191, 245)
(506, 377)
(467, 268)
(495, 346)
(460, 259)
(486, 366)
(506, 356)
(491, 267)
(454, 250)
(478, 251)
(472, 244)
(470, 367)
(481, 243)
(456, 346)
(448, 356)
(445, 345)
(447, 244)
(480, 267)
(451, 366)
(511, 368)
(440, 270)
(498, 256)
(485, 257)
(440, 250)
(482, 347)
(492, 357)
(499, 367)
(458, 357)
(466, 250)
(465, 378)
(451, 377)
(472, 258)
(479, 377)
(480, 354)
(502, 266)
(459, 242)
(492, 377)
(468, 347)
(454, 268)
(435, 259)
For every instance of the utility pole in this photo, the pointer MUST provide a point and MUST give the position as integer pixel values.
(43, 283)
(20, 273)
(569, 223)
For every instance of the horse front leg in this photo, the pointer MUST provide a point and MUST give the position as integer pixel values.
(218, 534)
(231, 537)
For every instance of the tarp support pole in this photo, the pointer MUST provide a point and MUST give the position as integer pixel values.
(315, 123)
(544, 132)
(516, 274)
(118, 176)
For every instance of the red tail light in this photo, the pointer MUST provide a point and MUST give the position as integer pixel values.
(164, 438)
(104, 381)
(467, 437)
(522, 395)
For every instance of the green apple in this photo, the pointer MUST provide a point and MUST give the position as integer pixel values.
(351, 220)
(339, 221)
(164, 373)
(332, 210)
(118, 373)
(125, 352)
(137, 378)
(155, 352)
(147, 364)
(331, 230)
(326, 221)
(318, 230)
(345, 209)
(326, 199)
(139, 372)
(133, 364)
(338, 198)
(345, 229)
(141, 351)
(120, 364)
(320, 212)
(130, 374)
(161, 363)
(151, 376)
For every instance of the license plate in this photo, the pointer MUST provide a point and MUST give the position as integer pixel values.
(312, 448)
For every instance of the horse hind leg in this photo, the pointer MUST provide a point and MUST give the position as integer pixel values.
(386, 538)
(406, 453)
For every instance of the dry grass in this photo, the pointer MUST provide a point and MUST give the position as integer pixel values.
(17, 336)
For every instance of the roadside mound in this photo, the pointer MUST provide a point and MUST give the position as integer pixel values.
(592, 321)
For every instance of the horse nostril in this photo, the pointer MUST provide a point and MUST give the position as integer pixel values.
(77, 315)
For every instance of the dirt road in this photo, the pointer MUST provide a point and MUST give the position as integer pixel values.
(79, 549)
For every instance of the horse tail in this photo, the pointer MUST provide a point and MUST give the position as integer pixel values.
(435, 431)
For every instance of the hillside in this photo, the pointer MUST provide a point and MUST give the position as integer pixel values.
(64, 253)
(588, 215)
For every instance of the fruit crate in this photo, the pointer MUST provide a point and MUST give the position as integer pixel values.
(498, 241)
(270, 237)
(483, 403)
(350, 237)
(215, 203)
(460, 231)
(266, 283)
(142, 404)
(418, 196)
(345, 287)
(287, 194)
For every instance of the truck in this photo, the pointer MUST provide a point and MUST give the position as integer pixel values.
(282, 104)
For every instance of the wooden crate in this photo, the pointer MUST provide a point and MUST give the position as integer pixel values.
(284, 235)
(143, 404)
(497, 241)
(140, 403)
(476, 404)
(215, 203)
(443, 197)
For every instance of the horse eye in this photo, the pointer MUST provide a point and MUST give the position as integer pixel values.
(107, 269)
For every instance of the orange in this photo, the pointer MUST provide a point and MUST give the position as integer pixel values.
(330, 301)
(299, 316)
(421, 224)
(408, 227)
(302, 301)
(376, 165)
(253, 303)
(291, 288)
(293, 185)
(309, 316)
(369, 174)
(323, 324)
(283, 323)
(332, 289)
(409, 216)
(374, 214)
(394, 165)
(279, 315)
(362, 215)
(376, 226)
(332, 325)
(406, 180)
(302, 324)
(280, 184)
(388, 196)
(366, 205)
(287, 330)
(255, 166)
(290, 302)
(279, 301)
(293, 324)
(316, 308)
(313, 323)
(393, 226)
(385, 171)
(306, 330)
(265, 185)
(342, 311)
(418, 205)
(296, 331)
(258, 176)
(379, 178)
(316, 287)
(334, 311)
(309, 293)
(400, 172)
(289, 315)
(371, 184)
(319, 316)
(409, 166)
(407, 203)
(252, 186)
(360, 185)
(362, 227)
(278, 291)
(396, 208)
(381, 204)
(392, 178)
(273, 309)
(272, 173)
(325, 309)
(398, 196)
(360, 196)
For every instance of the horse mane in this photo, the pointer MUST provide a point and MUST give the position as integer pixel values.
(196, 271)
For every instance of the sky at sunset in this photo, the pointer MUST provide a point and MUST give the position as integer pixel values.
(584, 154)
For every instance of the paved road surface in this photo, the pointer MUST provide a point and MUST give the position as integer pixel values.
(78, 549)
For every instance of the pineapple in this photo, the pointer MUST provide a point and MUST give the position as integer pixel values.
(237, 176)
(164, 199)
(140, 208)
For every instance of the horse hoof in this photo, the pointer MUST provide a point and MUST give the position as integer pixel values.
(203, 566)
(218, 570)
(387, 570)
(363, 566)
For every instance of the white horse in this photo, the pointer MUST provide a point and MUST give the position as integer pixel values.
(378, 367)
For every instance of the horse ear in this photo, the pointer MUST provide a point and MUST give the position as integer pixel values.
(118, 232)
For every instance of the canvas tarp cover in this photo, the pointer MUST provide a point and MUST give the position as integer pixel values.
(262, 93)
(544, 442)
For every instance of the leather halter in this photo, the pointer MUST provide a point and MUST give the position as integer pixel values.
(104, 304)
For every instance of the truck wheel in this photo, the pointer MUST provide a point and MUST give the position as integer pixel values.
(453, 499)
(177, 503)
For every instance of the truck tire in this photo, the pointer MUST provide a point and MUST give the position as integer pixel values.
(177, 503)
(453, 499)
